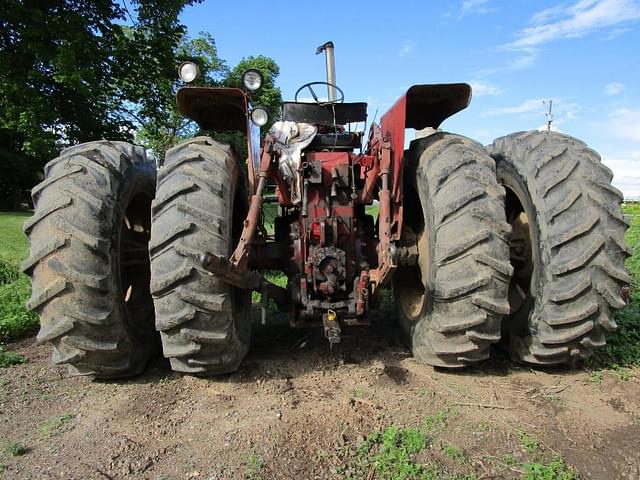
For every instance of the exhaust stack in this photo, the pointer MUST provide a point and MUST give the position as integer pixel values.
(331, 68)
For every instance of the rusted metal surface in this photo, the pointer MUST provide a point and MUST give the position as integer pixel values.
(216, 109)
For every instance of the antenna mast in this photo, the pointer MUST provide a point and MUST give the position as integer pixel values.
(549, 115)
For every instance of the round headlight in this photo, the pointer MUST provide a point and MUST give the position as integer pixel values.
(188, 72)
(259, 116)
(252, 79)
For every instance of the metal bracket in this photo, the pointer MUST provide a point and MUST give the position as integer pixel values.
(331, 327)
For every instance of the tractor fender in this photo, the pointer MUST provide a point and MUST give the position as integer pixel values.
(216, 109)
(420, 107)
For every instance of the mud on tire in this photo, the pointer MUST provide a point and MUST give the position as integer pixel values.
(200, 206)
(451, 305)
(564, 296)
(89, 261)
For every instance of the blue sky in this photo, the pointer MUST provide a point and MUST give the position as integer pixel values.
(585, 55)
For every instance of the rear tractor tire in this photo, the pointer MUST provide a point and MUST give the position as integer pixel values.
(89, 263)
(200, 207)
(452, 302)
(568, 247)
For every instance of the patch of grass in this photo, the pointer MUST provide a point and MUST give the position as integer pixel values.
(529, 443)
(632, 238)
(623, 346)
(437, 421)
(554, 470)
(254, 466)
(8, 359)
(556, 401)
(57, 425)
(15, 320)
(596, 376)
(359, 392)
(15, 288)
(509, 459)
(454, 453)
(14, 449)
(391, 454)
(14, 245)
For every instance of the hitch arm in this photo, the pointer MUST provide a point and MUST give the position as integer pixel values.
(247, 279)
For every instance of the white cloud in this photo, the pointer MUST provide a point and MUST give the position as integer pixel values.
(469, 7)
(575, 20)
(483, 89)
(527, 106)
(613, 88)
(626, 171)
(625, 124)
(407, 48)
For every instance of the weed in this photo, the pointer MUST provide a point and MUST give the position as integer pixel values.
(359, 392)
(485, 426)
(57, 425)
(623, 374)
(254, 466)
(529, 443)
(554, 470)
(14, 449)
(596, 376)
(437, 421)
(509, 459)
(8, 359)
(8, 272)
(454, 453)
(556, 401)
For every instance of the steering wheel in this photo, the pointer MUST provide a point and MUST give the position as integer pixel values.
(309, 86)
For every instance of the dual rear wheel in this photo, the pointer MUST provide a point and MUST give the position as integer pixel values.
(525, 246)
(520, 243)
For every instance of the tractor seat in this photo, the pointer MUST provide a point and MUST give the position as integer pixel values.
(336, 141)
(327, 115)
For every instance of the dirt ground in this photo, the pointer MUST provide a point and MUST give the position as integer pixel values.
(295, 409)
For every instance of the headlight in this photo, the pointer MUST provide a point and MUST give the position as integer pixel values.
(259, 116)
(188, 72)
(252, 79)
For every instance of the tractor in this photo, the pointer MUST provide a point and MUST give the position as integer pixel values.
(519, 243)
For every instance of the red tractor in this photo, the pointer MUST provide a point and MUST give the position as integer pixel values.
(520, 242)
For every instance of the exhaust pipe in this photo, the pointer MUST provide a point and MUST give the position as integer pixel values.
(331, 68)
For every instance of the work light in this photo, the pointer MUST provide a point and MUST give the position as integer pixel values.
(188, 72)
(252, 79)
(259, 116)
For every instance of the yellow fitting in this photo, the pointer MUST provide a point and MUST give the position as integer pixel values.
(331, 316)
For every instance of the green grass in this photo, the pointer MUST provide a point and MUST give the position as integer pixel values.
(13, 242)
(391, 454)
(623, 347)
(8, 359)
(254, 466)
(554, 470)
(56, 425)
(14, 449)
(15, 288)
(530, 444)
(632, 238)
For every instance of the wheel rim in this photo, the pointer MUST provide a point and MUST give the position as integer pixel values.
(520, 253)
(411, 283)
(133, 257)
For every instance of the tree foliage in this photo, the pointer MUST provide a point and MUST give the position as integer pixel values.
(78, 70)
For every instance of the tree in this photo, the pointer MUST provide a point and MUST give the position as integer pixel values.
(71, 72)
(269, 96)
(162, 131)
(55, 89)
